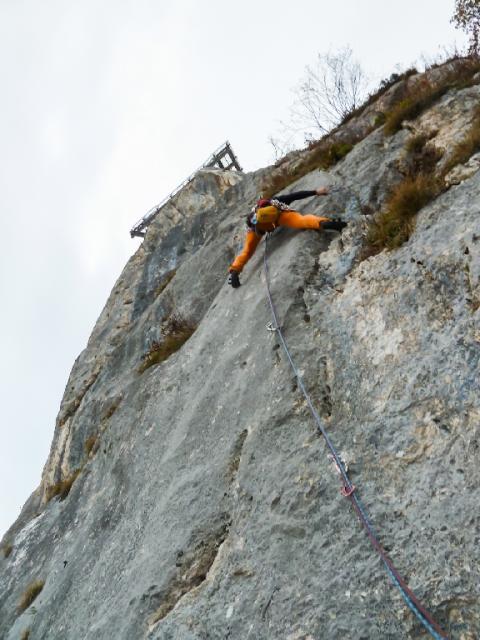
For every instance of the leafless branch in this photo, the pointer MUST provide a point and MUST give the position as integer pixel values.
(333, 87)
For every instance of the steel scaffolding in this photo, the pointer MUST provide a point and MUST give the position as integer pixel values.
(222, 158)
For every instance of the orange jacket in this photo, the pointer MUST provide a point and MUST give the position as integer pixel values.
(290, 219)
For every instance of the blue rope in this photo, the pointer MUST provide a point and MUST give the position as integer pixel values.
(411, 605)
(348, 488)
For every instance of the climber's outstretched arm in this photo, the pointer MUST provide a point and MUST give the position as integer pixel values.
(288, 198)
(251, 243)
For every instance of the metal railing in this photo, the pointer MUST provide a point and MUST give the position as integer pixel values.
(215, 159)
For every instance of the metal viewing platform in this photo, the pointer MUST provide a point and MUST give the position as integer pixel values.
(222, 158)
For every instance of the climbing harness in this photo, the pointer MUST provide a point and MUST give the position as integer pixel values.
(348, 489)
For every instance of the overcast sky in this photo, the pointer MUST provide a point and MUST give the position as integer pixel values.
(105, 107)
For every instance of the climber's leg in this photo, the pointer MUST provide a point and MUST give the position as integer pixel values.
(295, 220)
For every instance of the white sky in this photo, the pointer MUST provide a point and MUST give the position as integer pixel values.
(105, 107)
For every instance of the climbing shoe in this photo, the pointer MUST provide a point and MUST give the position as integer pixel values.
(333, 225)
(233, 279)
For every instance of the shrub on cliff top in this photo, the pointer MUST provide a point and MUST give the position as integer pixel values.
(384, 86)
(394, 224)
(422, 95)
(412, 106)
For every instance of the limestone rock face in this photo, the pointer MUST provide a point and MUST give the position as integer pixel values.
(206, 506)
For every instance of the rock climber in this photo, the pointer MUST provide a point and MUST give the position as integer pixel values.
(267, 215)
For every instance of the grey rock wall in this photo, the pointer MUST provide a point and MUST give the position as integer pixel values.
(210, 509)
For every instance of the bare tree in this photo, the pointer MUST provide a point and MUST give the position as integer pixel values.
(334, 87)
(331, 89)
(467, 18)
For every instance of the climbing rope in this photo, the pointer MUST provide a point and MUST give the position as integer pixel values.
(349, 490)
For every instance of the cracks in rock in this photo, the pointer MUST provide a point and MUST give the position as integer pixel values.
(74, 404)
(472, 298)
(236, 455)
(191, 569)
(92, 443)
(325, 281)
(300, 302)
(65, 471)
(194, 565)
(325, 389)
(322, 391)
(275, 350)
(269, 602)
(59, 471)
(373, 203)
(312, 276)
(439, 287)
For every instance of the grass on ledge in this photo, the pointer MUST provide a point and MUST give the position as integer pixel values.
(423, 95)
(383, 87)
(29, 595)
(321, 154)
(91, 445)
(416, 144)
(324, 153)
(411, 107)
(394, 225)
(422, 156)
(112, 408)
(62, 487)
(175, 332)
(165, 281)
(468, 145)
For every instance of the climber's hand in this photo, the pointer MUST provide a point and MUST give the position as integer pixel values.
(323, 191)
(334, 225)
(233, 279)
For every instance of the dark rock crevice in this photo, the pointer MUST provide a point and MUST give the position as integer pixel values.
(71, 408)
(192, 567)
(236, 455)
